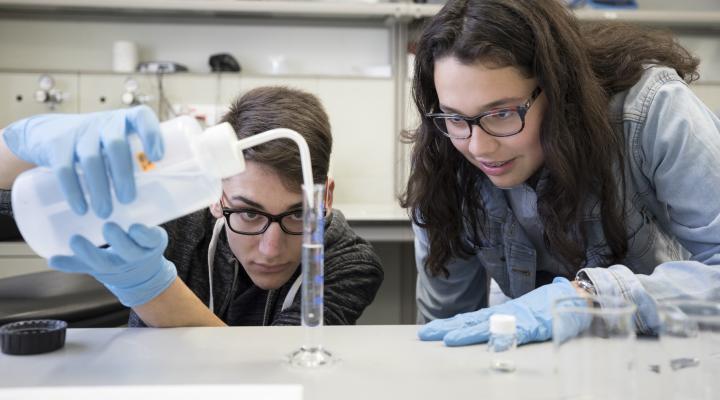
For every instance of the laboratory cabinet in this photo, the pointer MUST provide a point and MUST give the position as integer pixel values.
(360, 112)
(19, 91)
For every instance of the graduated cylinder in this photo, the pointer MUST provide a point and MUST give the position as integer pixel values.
(313, 260)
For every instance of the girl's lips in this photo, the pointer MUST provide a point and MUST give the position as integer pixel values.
(494, 164)
(496, 168)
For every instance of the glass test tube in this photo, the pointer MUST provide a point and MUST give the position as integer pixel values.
(312, 354)
(312, 267)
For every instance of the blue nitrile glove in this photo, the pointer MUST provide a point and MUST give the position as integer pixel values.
(132, 267)
(97, 142)
(533, 312)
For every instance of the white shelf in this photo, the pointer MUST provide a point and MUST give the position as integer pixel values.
(336, 9)
(667, 18)
(378, 222)
(373, 212)
(175, 75)
(423, 10)
(320, 9)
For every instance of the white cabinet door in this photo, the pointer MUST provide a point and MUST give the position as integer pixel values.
(307, 84)
(16, 258)
(99, 92)
(362, 116)
(17, 95)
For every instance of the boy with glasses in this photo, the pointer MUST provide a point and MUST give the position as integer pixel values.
(238, 261)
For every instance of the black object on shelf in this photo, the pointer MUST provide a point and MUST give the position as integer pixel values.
(223, 62)
(32, 336)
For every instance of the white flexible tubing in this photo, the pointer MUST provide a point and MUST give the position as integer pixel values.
(283, 133)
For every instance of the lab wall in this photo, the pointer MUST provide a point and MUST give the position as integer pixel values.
(347, 67)
(260, 45)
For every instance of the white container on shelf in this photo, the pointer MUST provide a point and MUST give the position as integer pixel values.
(125, 56)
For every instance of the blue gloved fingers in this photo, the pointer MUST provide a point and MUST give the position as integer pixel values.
(97, 184)
(149, 237)
(62, 162)
(86, 257)
(70, 264)
(437, 329)
(98, 259)
(18, 139)
(119, 160)
(92, 162)
(70, 186)
(479, 333)
(571, 318)
(142, 120)
(121, 243)
(14, 137)
(560, 279)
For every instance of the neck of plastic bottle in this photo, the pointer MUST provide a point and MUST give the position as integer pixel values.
(221, 153)
(283, 133)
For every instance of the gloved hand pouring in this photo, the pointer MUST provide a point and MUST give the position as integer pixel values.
(133, 266)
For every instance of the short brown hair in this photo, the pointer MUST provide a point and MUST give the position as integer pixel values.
(271, 107)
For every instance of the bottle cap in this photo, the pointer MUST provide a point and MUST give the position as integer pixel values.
(216, 151)
(32, 336)
(502, 324)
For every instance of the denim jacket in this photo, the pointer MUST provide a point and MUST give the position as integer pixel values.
(672, 215)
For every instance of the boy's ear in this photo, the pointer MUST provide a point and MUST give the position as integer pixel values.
(329, 188)
(216, 209)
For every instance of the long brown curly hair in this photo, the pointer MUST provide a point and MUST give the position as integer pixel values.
(579, 68)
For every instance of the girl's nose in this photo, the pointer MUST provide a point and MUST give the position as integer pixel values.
(481, 144)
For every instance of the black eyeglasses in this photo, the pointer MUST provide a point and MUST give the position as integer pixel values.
(249, 221)
(500, 123)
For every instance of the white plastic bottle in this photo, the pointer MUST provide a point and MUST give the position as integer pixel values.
(502, 344)
(186, 179)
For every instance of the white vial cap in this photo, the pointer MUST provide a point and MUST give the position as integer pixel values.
(215, 148)
(502, 324)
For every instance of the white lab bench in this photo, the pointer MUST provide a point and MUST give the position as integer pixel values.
(377, 362)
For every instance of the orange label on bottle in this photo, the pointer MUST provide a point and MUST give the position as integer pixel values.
(145, 164)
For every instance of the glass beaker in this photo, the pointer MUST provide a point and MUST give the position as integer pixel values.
(312, 354)
(690, 339)
(594, 343)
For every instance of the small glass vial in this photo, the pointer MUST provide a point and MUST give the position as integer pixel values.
(502, 344)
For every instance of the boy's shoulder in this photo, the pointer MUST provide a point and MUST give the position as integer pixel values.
(337, 229)
(342, 242)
